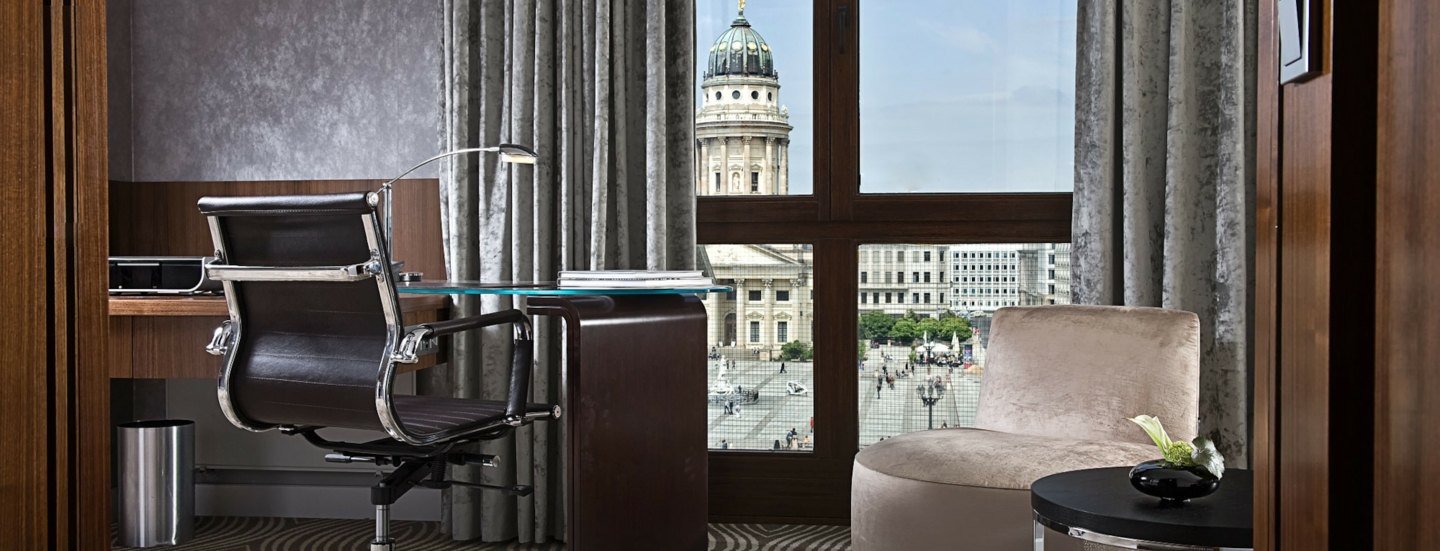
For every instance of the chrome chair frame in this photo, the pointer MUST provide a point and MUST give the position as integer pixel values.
(404, 345)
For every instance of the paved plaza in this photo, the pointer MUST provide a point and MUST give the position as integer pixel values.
(759, 425)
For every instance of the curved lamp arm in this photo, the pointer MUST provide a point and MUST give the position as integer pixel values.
(509, 153)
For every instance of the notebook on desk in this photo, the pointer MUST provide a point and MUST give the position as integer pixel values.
(632, 279)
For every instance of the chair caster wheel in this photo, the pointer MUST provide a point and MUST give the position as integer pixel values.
(386, 545)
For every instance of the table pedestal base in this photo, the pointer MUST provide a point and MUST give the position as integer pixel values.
(635, 418)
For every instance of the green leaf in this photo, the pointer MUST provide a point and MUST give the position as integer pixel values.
(1207, 456)
(1156, 431)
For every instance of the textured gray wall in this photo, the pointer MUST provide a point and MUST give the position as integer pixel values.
(224, 90)
(117, 29)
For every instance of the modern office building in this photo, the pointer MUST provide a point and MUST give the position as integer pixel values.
(902, 278)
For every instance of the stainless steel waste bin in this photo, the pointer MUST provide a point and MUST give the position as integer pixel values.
(157, 482)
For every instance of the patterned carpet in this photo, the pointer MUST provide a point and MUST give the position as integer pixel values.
(288, 534)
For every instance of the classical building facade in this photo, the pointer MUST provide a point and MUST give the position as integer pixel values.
(742, 131)
(772, 303)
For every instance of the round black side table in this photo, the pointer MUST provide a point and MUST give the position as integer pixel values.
(1099, 505)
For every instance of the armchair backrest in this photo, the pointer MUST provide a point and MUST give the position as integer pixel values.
(311, 346)
(1079, 371)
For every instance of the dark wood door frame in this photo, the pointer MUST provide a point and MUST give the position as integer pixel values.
(53, 227)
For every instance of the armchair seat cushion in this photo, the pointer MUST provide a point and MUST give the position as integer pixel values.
(989, 459)
(965, 489)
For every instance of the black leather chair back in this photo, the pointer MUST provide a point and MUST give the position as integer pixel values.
(308, 353)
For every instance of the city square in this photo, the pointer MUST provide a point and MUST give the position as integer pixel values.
(777, 410)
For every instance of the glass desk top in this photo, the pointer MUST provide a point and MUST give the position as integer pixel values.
(548, 288)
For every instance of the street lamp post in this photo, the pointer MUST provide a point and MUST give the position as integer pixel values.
(930, 394)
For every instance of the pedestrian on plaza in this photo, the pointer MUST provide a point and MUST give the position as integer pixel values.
(737, 410)
(878, 386)
(944, 425)
(724, 445)
(777, 445)
(806, 443)
(782, 367)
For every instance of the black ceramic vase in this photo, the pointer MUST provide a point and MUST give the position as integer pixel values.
(1171, 483)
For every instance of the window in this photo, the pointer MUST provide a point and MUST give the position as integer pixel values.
(754, 331)
(782, 296)
(864, 277)
(915, 277)
(754, 182)
(782, 332)
(1021, 70)
(735, 94)
(754, 95)
(717, 182)
(927, 256)
(927, 277)
(900, 298)
(862, 298)
(927, 298)
(756, 296)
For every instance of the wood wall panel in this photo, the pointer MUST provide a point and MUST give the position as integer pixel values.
(1407, 416)
(1267, 275)
(1317, 372)
(24, 515)
(54, 385)
(160, 218)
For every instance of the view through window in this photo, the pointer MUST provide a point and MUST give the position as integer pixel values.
(956, 96)
(761, 339)
(924, 332)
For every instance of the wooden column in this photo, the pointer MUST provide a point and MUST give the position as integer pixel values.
(1407, 435)
(54, 386)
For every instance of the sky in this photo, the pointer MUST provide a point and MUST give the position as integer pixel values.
(955, 95)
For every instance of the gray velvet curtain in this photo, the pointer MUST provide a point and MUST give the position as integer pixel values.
(604, 92)
(1165, 180)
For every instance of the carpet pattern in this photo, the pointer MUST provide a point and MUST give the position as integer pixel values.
(289, 534)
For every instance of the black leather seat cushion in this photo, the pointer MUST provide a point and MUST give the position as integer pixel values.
(430, 414)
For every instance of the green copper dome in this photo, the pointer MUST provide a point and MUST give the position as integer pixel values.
(741, 51)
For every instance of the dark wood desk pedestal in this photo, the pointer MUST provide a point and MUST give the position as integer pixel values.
(635, 415)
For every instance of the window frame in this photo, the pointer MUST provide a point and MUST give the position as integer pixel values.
(836, 218)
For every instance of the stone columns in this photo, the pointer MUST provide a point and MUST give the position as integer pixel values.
(784, 180)
(742, 325)
(725, 165)
(767, 326)
(767, 184)
(745, 167)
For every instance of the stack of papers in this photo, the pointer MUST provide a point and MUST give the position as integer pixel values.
(630, 279)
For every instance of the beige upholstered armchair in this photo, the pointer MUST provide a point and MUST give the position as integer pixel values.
(1060, 382)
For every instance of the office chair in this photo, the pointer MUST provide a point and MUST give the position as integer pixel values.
(315, 333)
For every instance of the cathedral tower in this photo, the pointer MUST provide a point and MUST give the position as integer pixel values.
(742, 133)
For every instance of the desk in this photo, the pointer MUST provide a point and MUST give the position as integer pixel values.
(158, 337)
(634, 412)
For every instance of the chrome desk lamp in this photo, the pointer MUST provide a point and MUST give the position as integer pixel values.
(509, 153)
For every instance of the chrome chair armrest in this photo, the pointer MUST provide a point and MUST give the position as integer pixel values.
(221, 340)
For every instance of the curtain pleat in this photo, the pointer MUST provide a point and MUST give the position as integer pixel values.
(1164, 180)
(593, 86)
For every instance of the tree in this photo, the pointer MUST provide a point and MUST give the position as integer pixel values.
(931, 326)
(905, 328)
(796, 350)
(860, 352)
(956, 326)
(875, 325)
(946, 314)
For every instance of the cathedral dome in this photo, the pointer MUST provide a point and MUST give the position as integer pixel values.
(741, 51)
